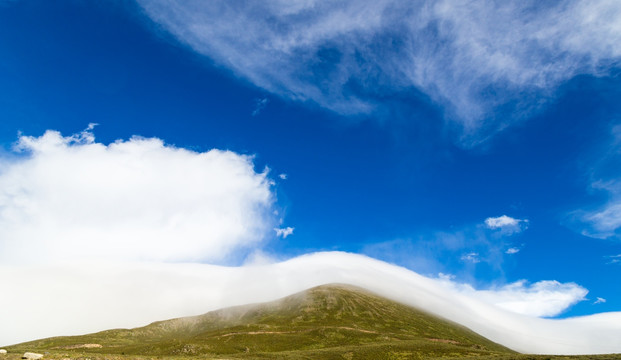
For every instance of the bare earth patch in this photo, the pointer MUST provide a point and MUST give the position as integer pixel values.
(81, 346)
(446, 341)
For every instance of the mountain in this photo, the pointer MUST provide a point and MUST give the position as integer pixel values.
(326, 322)
(330, 321)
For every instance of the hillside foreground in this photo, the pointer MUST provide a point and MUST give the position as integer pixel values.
(325, 322)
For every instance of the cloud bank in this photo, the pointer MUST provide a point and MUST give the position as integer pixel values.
(474, 58)
(543, 298)
(129, 225)
(130, 295)
(68, 199)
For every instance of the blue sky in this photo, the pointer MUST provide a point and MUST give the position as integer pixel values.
(399, 131)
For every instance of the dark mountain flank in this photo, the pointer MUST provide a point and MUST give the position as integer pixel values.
(325, 322)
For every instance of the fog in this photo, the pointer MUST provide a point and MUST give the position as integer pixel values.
(80, 298)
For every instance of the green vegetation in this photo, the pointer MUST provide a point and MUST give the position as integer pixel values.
(326, 322)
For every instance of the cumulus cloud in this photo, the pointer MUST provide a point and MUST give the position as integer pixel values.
(284, 232)
(501, 221)
(70, 198)
(506, 224)
(138, 218)
(472, 57)
(283, 176)
(196, 288)
(512, 251)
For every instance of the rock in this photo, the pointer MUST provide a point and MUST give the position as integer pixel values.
(2, 352)
(32, 356)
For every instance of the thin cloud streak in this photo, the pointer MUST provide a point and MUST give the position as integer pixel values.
(604, 221)
(260, 104)
(458, 250)
(196, 288)
(471, 257)
(472, 57)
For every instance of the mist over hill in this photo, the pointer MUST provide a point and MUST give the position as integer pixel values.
(331, 320)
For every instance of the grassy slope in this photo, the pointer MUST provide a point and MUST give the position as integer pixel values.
(326, 322)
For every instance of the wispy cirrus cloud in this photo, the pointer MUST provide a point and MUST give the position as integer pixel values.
(472, 57)
(259, 105)
(471, 257)
(614, 259)
(603, 220)
(485, 243)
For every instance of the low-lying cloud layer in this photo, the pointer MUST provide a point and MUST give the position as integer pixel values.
(73, 199)
(543, 298)
(132, 295)
(117, 235)
(472, 57)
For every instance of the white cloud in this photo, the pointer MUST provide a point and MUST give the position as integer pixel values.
(284, 232)
(512, 251)
(543, 298)
(599, 300)
(260, 257)
(77, 214)
(260, 104)
(501, 221)
(506, 224)
(604, 220)
(614, 259)
(345, 54)
(456, 249)
(197, 288)
(283, 176)
(73, 199)
(471, 257)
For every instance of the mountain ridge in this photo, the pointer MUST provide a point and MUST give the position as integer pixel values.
(332, 318)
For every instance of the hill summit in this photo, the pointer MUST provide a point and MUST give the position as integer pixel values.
(330, 321)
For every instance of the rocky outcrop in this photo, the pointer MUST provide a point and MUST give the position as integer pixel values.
(32, 356)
